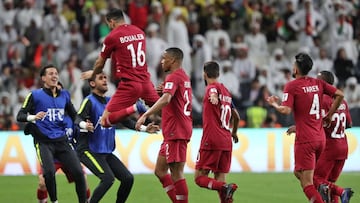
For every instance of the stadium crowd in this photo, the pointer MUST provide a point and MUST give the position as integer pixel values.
(252, 40)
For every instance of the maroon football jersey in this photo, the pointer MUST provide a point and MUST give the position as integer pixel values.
(216, 119)
(304, 96)
(336, 142)
(126, 47)
(177, 115)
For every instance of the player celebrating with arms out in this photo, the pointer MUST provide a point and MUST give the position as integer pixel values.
(304, 97)
(216, 143)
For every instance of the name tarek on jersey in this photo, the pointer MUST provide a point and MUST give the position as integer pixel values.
(310, 89)
(130, 38)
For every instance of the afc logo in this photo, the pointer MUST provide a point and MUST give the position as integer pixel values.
(54, 114)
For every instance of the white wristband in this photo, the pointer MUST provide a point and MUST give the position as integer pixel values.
(31, 118)
(83, 124)
(142, 128)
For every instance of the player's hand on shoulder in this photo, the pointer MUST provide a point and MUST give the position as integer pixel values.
(291, 129)
(86, 74)
(214, 99)
(327, 121)
(152, 128)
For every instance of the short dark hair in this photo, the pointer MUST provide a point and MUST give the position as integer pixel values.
(93, 76)
(212, 69)
(176, 53)
(115, 14)
(303, 62)
(327, 76)
(43, 70)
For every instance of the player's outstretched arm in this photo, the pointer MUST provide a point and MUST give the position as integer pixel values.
(273, 101)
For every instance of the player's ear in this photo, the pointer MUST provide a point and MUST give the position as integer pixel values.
(92, 84)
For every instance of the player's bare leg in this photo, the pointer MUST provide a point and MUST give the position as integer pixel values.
(41, 190)
(161, 171)
(177, 174)
(306, 181)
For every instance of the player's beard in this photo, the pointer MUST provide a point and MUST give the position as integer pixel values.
(205, 82)
(293, 75)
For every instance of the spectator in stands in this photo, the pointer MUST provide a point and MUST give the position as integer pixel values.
(342, 37)
(7, 121)
(54, 25)
(352, 93)
(8, 40)
(32, 39)
(69, 78)
(101, 29)
(324, 62)
(201, 54)
(244, 69)
(343, 66)
(285, 31)
(230, 81)
(25, 15)
(158, 16)
(215, 35)
(258, 45)
(138, 11)
(8, 13)
(74, 40)
(308, 23)
(155, 47)
(256, 114)
(177, 36)
(278, 62)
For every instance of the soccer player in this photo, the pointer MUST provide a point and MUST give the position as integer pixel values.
(126, 46)
(332, 160)
(216, 143)
(176, 106)
(304, 97)
(95, 148)
(46, 107)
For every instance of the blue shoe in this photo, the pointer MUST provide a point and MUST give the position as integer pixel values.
(346, 195)
(140, 107)
(324, 192)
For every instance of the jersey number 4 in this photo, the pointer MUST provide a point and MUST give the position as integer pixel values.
(315, 107)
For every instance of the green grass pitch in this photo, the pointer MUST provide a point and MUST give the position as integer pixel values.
(253, 188)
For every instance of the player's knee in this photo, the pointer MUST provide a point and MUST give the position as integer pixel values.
(107, 179)
(198, 180)
(42, 186)
(297, 174)
(128, 180)
(48, 174)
